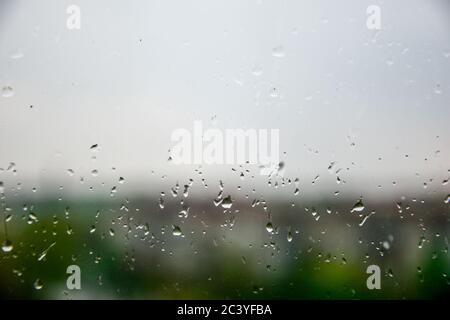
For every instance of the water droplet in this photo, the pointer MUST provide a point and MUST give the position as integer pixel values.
(364, 219)
(269, 227)
(390, 273)
(278, 52)
(316, 178)
(186, 191)
(7, 92)
(437, 89)
(227, 202)
(389, 62)
(7, 246)
(17, 54)
(257, 71)
(38, 284)
(330, 167)
(176, 231)
(289, 236)
(274, 93)
(358, 207)
(421, 242)
(44, 253)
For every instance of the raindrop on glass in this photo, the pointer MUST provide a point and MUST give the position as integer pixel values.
(7, 92)
(358, 207)
(7, 246)
(176, 231)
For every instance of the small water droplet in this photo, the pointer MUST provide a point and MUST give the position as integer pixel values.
(289, 236)
(389, 62)
(421, 242)
(274, 93)
(437, 89)
(257, 71)
(186, 191)
(278, 52)
(38, 284)
(7, 92)
(390, 273)
(330, 167)
(364, 219)
(17, 54)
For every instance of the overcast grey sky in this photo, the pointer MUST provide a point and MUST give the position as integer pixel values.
(137, 70)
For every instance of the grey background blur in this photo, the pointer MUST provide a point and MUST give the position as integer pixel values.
(137, 70)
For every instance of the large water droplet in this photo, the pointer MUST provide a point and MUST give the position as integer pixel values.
(358, 207)
(176, 231)
(7, 246)
(227, 202)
